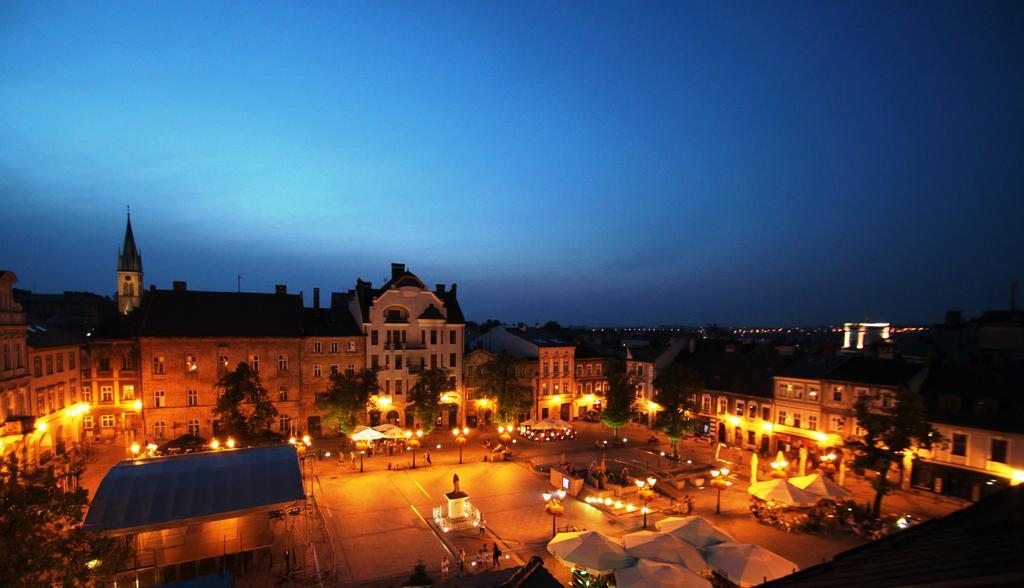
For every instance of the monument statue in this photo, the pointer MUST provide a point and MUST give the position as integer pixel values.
(455, 482)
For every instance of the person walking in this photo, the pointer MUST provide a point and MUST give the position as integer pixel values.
(444, 567)
(482, 556)
(482, 525)
(496, 555)
(462, 561)
(427, 454)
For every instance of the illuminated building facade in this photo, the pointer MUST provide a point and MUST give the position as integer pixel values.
(17, 434)
(857, 336)
(409, 328)
(54, 355)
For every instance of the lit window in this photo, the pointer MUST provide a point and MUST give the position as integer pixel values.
(351, 346)
(107, 421)
(782, 417)
(87, 422)
(158, 366)
(159, 398)
(192, 397)
(191, 363)
(127, 392)
(106, 393)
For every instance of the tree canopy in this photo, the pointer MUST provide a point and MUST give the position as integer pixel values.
(346, 398)
(41, 540)
(888, 433)
(426, 396)
(243, 409)
(499, 380)
(675, 387)
(619, 397)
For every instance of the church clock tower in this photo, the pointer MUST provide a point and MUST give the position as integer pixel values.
(129, 273)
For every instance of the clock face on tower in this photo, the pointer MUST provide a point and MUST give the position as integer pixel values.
(127, 278)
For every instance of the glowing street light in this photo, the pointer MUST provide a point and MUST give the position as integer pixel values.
(135, 449)
(231, 443)
(719, 483)
(413, 442)
(292, 440)
(215, 444)
(306, 440)
(505, 433)
(460, 438)
(645, 492)
(361, 446)
(553, 506)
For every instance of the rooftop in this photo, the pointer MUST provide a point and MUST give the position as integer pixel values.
(185, 313)
(163, 492)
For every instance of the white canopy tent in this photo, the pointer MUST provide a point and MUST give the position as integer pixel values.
(782, 492)
(665, 547)
(748, 565)
(550, 423)
(696, 531)
(820, 486)
(366, 434)
(656, 574)
(594, 551)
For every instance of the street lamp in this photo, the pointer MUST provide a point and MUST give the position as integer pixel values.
(828, 462)
(413, 443)
(779, 467)
(215, 444)
(362, 446)
(719, 482)
(231, 443)
(460, 438)
(505, 433)
(553, 506)
(645, 492)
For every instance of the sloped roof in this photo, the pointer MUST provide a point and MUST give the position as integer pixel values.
(365, 293)
(541, 337)
(744, 371)
(431, 313)
(164, 492)
(336, 321)
(976, 546)
(174, 313)
(1001, 388)
(41, 336)
(813, 367)
(879, 372)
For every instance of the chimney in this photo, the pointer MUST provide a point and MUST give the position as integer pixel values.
(397, 269)
(952, 317)
(316, 298)
(280, 289)
(454, 286)
(180, 286)
(439, 288)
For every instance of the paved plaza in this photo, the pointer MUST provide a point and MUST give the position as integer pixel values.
(377, 520)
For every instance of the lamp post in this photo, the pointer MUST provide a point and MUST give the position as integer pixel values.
(361, 446)
(828, 463)
(505, 433)
(553, 506)
(779, 467)
(645, 492)
(137, 405)
(719, 482)
(460, 438)
(413, 442)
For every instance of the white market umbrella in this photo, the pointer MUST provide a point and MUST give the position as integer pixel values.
(781, 491)
(666, 548)
(820, 486)
(550, 423)
(366, 434)
(528, 423)
(696, 531)
(656, 574)
(748, 565)
(385, 427)
(597, 553)
(392, 433)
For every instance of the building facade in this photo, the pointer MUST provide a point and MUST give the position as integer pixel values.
(18, 436)
(409, 328)
(54, 355)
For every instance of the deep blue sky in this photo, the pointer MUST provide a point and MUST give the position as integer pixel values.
(601, 163)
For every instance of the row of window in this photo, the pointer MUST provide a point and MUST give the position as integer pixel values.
(14, 356)
(193, 427)
(318, 347)
(192, 397)
(797, 420)
(107, 393)
(999, 449)
(741, 409)
(552, 368)
(318, 369)
(590, 369)
(398, 336)
(223, 364)
(103, 363)
(54, 362)
(453, 359)
(796, 391)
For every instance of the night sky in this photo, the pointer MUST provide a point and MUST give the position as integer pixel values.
(601, 163)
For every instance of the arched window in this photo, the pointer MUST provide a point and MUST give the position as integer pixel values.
(193, 427)
(160, 429)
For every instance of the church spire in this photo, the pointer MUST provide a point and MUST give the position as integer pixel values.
(129, 259)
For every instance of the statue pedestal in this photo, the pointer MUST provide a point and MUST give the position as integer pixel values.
(457, 505)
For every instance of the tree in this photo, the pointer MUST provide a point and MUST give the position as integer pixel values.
(619, 397)
(41, 539)
(426, 396)
(888, 433)
(346, 398)
(675, 387)
(499, 379)
(243, 409)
